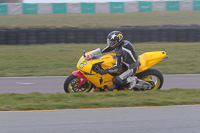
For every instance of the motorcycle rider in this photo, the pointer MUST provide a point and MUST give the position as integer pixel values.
(126, 54)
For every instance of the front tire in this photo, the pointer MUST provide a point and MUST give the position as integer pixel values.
(153, 76)
(71, 85)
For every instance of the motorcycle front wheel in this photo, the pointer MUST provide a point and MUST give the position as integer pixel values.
(71, 85)
(153, 76)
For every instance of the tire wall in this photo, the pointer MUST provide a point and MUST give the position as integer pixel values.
(167, 33)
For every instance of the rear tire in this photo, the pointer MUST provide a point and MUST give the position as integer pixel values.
(71, 85)
(149, 74)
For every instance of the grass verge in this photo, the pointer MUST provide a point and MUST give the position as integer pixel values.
(61, 59)
(101, 20)
(38, 101)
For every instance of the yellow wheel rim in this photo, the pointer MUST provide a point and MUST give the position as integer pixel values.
(154, 79)
(73, 86)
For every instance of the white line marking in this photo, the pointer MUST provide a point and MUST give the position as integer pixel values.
(21, 83)
(165, 106)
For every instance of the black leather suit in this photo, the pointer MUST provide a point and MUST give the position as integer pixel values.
(125, 55)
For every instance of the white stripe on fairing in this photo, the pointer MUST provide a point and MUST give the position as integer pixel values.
(129, 53)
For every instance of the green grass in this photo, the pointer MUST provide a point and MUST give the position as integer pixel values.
(61, 59)
(38, 101)
(101, 20)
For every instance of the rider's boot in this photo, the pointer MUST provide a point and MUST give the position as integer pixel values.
(132, 80)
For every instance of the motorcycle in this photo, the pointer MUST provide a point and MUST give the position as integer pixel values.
(87, 78)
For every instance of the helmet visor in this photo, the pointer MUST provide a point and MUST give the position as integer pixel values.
(110, 43)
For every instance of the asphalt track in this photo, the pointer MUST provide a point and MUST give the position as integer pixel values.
(170, 119)
(54, 84)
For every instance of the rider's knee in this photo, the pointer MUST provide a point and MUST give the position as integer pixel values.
(117, 80)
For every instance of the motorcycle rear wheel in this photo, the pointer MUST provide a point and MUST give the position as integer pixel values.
(152, 76)
(71, 85)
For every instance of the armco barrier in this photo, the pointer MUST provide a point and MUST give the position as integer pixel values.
(109, 7)
(165, 33)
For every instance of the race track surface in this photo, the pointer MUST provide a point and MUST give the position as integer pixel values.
(170, 119)
(54, 84)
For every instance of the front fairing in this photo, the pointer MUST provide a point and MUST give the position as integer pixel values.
(85, 67)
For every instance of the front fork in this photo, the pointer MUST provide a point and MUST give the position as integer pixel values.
(81, 77)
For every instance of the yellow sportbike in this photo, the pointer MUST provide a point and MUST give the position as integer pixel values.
(87, 78)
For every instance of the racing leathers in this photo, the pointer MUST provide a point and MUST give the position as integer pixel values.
(126, 55)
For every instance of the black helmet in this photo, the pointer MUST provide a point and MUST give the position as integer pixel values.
(114, 39)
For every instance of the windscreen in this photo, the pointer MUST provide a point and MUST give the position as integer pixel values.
(96, 52)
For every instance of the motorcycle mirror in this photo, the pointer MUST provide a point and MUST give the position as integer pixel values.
(84, 53)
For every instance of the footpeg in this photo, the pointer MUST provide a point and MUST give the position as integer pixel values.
(132, 80)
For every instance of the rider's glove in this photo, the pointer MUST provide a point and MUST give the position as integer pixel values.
(102, 72)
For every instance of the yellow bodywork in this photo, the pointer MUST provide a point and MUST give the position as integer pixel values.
(147, 60)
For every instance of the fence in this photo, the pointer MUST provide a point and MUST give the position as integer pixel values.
(171, 33)
(111, 7)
